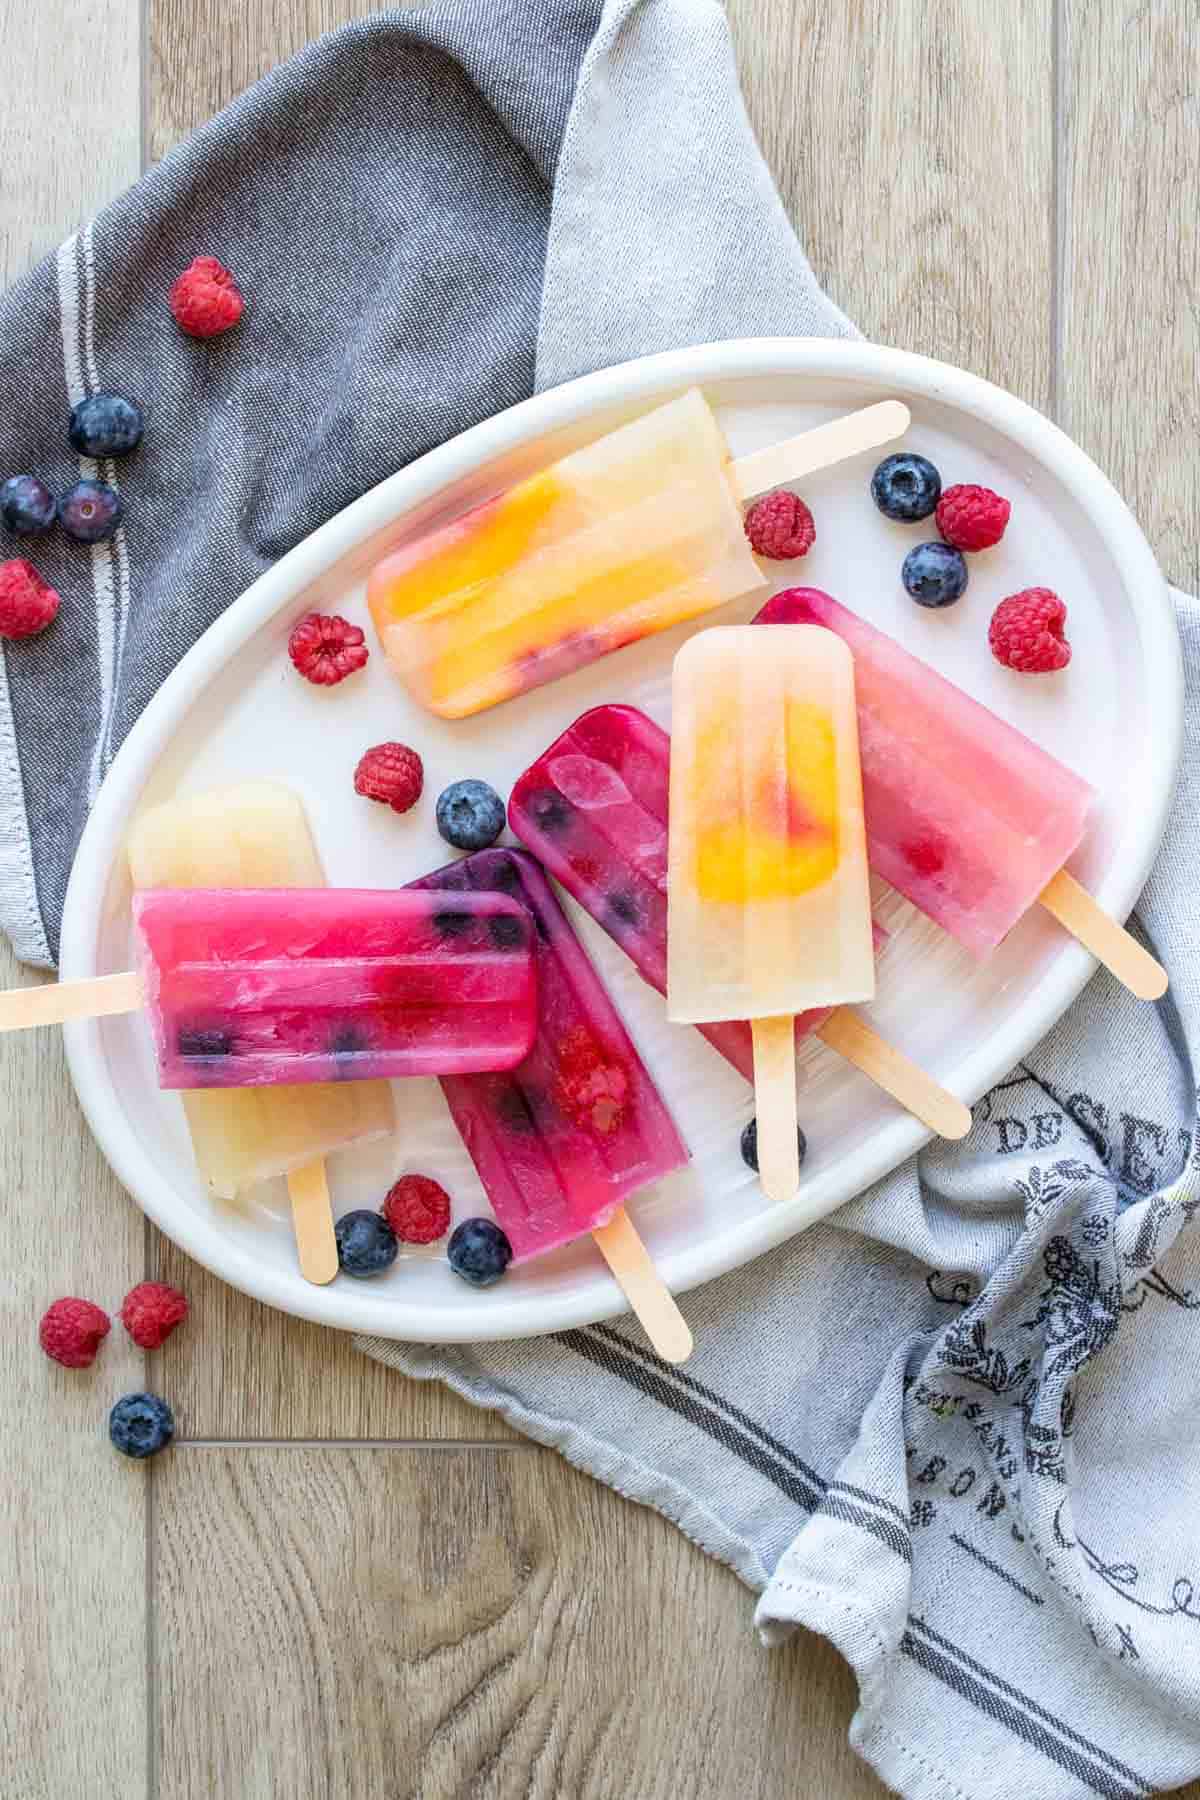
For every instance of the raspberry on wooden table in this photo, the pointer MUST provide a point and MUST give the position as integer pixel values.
(72, 1331)
(151, 1311)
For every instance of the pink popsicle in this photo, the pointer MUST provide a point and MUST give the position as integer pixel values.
(593, 807)
(965, 816)
(256, 986)
(560, 1142)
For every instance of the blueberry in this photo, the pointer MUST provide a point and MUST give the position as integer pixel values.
(105, 425)
(366, 1244)
(750, 1145)
(91, 511)
(506, 932)
(198, 1042)
(470, 815)
(27, 506)
(624, 909)
(934, 574)
(551, 811)
(451, 922)
(141, 1425)
(906, 487)
(479, 1252)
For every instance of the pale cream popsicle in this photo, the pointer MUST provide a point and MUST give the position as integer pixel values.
(768, 900)
(254, 834)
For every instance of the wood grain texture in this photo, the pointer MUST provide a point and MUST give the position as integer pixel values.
(1130, 308)
(72, 1514)
(351, 1623)
(242, 1370)
(912, 145)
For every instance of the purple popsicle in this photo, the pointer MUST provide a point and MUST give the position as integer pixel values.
(561, 1141)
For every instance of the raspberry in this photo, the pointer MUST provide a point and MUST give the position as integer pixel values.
(72, 1331)
(1026, 632)
(588, 1088)
(972, 518)
(780, 526)
(326, 648)
(205, 300)
(151, 1311)
(418, 1210)
(27, 603)
(391, 774)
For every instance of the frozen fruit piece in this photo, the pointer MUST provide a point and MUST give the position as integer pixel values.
(27, 603)
(392, 774)
(326, 648)
(151, 1311)
(470, 815)
(965, 816)
(749, 1145)
(253, 986)
(141, 1425)
(106, 425)
(27, 506)
(205, 299)
(906, 487)
(418, 1209)
(620, 539)
(366, 1244)
(479, 1252)
(934, 574)
(252, 834)
(72, 1331)
(972, 518)
(1026, 632)
(780, 526)
(91, 511)
(563, 1139)
(768, 900)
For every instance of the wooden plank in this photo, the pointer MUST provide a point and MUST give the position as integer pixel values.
(1130, 313)
(72, 1513)
(912, 144)
(342, 1622)
(242, 1370)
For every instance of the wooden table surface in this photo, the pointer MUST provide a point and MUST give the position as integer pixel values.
(341, 1585)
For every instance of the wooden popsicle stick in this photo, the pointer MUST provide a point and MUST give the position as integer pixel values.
(96, 998)
(1108, 942)
(820, 448)
(644, 1288)
(895, 1073)
(312, 1222)
(775, 1103)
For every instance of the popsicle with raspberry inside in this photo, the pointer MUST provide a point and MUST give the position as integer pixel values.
(624, 537)
(593, 808)
(968, 818)
(562, 1141)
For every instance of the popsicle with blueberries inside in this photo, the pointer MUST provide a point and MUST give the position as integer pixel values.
(965, 816)
(593, 808)
(624, 537)
(563, 1140)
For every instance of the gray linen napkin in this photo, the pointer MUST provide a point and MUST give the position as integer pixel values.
(952, 1427)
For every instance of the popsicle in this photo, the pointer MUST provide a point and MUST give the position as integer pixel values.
(965, 816)
(563, 1140)
(622, 538)
(593, 809)
(256, 834)
(289, 985)
(768, 901)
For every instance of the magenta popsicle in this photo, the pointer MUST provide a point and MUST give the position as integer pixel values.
(965, 816)
(560, 1142)
(254, 986)
(593, 807)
